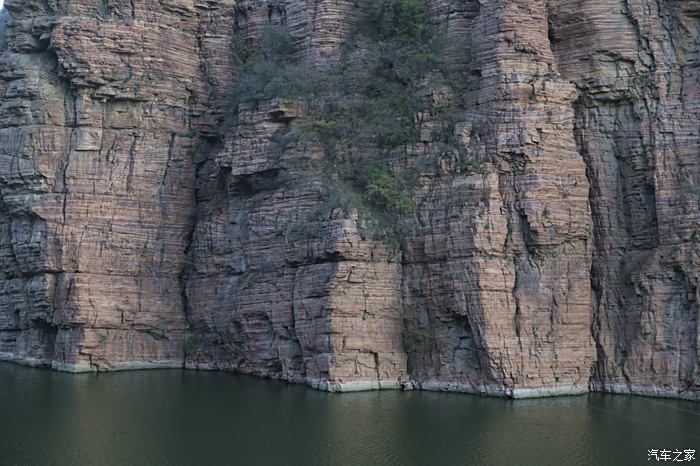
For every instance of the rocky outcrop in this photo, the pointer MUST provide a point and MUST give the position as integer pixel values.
(102, 105)
(149, 218)
(635, 67)
(499, 278)
(283, 286)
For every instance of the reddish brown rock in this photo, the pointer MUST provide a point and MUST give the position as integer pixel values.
(100, 111)
(147, 220)
(636, 127)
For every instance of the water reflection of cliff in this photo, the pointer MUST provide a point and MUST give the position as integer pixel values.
(176, 417)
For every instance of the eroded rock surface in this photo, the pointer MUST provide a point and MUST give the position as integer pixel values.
(102, 105)
(148, 219)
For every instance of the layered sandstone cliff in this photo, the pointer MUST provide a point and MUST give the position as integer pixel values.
(150, 218)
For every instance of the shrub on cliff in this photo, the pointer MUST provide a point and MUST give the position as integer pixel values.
(272, 71)
(363, 110)
(385, 190)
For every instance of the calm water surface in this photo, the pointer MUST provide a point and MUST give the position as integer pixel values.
(177, 417)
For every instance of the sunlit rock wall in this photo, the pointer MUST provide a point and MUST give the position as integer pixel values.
(102, 105)
(147, 220)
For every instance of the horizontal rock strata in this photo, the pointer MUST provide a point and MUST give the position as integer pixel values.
(150, 217)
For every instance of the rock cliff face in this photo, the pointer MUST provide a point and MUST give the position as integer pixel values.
(101, 105)
(149, 218)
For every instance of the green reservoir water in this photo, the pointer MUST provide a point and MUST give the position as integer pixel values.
(199, 418)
